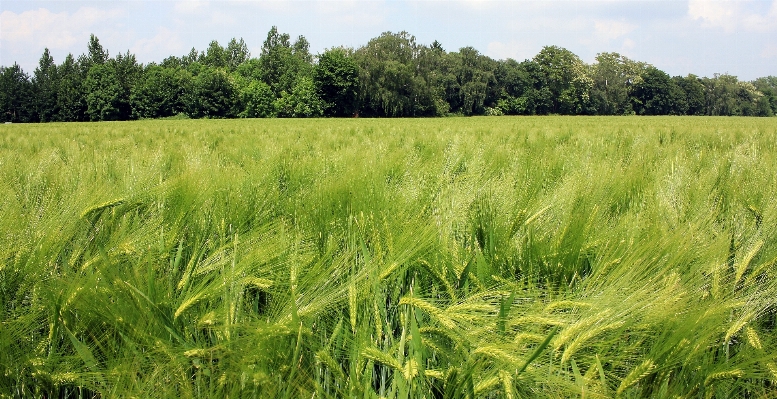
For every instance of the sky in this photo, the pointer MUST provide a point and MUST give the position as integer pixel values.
(702, 37)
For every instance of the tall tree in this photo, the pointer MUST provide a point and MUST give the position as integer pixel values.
(128, 72)
(96, 54)
(694, 91)
(160, 92)
(436, 81)
(103, 93)
(751, 101)
(521, 88)
(614, 76)
(726, 95)
(283, 63)
(71, 101)
(236, 53)
(212, 95)
(215, 56)
(391, 80)
(45, 83)
(474, 74)
(658, 94)
(768, 86)
(301, 50)
(15, 95)
(336, 77)
(565, 76)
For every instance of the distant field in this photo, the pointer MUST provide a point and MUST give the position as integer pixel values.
(448, 258)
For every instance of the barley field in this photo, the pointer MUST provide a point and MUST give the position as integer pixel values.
(508, 257)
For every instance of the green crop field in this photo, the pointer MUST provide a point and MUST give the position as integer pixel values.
(507, 257)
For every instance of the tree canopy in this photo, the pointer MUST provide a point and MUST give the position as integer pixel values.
(392, 75)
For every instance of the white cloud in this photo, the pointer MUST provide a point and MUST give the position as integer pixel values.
(165, 43)
(516, 50)
(733, 15)
(770, 51)
(628, 45)
(715, 13)
(191, 6)
(43, 28)
(352, 13)
(478, 4)
(609, 29)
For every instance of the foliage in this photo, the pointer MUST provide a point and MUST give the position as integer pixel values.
(212, 94)
(16, 95)
(726, 95)
(694, 93)
(215, 56)
(768, 86)
(103, 93)
(96, 54)
(336, 77)
(390, 76)
(614, 77)
(237, 53)
(481, 257)
(128, 73)
(281, 62)
(160, 92)
(71, 101)
(302, 102)
(657, 94)
(257, 100)
(473, 74)
(563, 73)
(45, 83)
(108, 85)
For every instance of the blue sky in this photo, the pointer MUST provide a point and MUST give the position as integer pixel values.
(680, 37)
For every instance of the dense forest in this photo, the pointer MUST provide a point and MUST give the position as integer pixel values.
(390, 76)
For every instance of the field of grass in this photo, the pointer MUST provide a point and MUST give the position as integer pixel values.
(446, 258)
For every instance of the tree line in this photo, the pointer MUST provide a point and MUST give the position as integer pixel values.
(390, 76)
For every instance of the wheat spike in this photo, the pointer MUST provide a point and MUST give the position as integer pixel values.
(639, 372)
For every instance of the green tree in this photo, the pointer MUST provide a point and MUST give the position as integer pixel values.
(212, 94)
(751, 101)
(391, 79)
(726, 95)
(160, 92)
(566, 77)
(521, 89)
(302, 102)
(513, 81)
(614, 77)
(236, 53)
(103, 93)
(45, 84)
(15, 95)
(128, 72)
(474, 74)
(768, 86)
(215, 56)
(282, 63)
(96, 55)
(336, 77)
(437, 80)
(301, 50)
(71, 101)
(256, 100)
(658, 94)
(694, 93)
